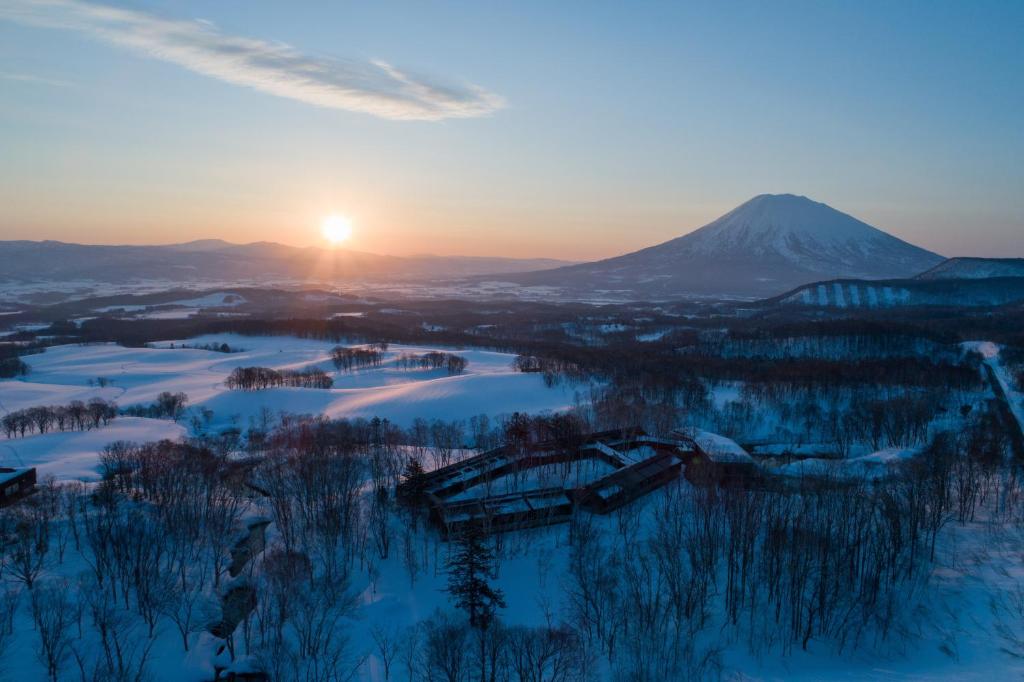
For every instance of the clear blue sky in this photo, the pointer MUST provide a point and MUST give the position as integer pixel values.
(571, 130)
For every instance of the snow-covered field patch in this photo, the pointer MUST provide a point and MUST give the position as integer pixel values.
(75, 454)
(136, 376)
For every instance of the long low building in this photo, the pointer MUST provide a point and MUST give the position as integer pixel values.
(505, 489)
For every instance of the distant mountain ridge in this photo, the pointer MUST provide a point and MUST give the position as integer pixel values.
(765, 246)
(955, 282)
(216, 260)
(975, 268)
(863, 294)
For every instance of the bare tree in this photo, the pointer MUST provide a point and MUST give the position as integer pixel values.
(445, 642)
(386, 641)
(26, 555)
(53, 613)
(9, 600)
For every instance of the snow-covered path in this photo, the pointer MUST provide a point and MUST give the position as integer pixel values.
(1014, 400)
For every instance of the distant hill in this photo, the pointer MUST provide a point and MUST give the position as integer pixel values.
(216, 260)
(899, 293)
(975, 268)
(765, 246)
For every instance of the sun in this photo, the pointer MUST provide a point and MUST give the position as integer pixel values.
(336, 228)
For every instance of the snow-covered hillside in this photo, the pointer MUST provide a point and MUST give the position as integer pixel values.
(967, 292)
(976, 268)
(135, 376)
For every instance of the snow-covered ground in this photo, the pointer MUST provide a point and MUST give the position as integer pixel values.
(74, 454)
(959, 629)
(875, 465)
(137, 375)
(990, 352)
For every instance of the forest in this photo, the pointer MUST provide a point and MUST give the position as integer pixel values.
(176, 539)
(263, 548)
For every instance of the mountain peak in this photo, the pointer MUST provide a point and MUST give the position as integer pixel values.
(794, 231)
(780, 198)
(786, 217)
(765, 245)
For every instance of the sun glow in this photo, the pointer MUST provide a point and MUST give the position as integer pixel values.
(336, 228)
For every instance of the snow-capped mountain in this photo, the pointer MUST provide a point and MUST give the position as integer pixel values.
(765, 246)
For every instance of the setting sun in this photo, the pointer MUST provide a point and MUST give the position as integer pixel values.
(336, 228)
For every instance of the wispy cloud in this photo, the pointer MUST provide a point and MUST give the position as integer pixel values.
(30, 78)
(373, 87)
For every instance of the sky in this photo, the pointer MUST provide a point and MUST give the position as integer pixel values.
(572, 130)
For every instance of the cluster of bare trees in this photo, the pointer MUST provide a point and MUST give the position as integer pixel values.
(435, 441)
(840, 416)
(214, 347)
(554, 369)
(167, 405)
(144, 563)
(807, 341)
(900, 421)
(75, 416)
(445, 648)
(314, 479)
(259, 378)
(349, 359)
(837, 564)
(454, 364)
(155, 537)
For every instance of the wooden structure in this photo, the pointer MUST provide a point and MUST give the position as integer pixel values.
(16, 484)
(639, 464)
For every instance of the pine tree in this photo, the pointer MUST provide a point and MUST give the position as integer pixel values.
(469, 571)
(411, 487)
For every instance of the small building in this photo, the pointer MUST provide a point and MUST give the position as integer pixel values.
(717, 460)
(16, 484)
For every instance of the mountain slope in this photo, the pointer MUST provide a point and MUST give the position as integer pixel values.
(765, 246)
(221, 261)
(975, 268)
(965, 292)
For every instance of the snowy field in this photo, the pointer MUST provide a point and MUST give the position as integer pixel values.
(137, 375)
(74, 454)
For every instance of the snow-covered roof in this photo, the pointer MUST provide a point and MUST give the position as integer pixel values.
(10, 474)
(720, 449)
(868, 467)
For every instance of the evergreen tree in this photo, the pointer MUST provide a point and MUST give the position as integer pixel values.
(411, 487)
(469, 571)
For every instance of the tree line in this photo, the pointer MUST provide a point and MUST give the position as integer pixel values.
(11, 364)
(168, 405)
(349, 359)
(454, 364)
(259, 378)
(75, 416)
